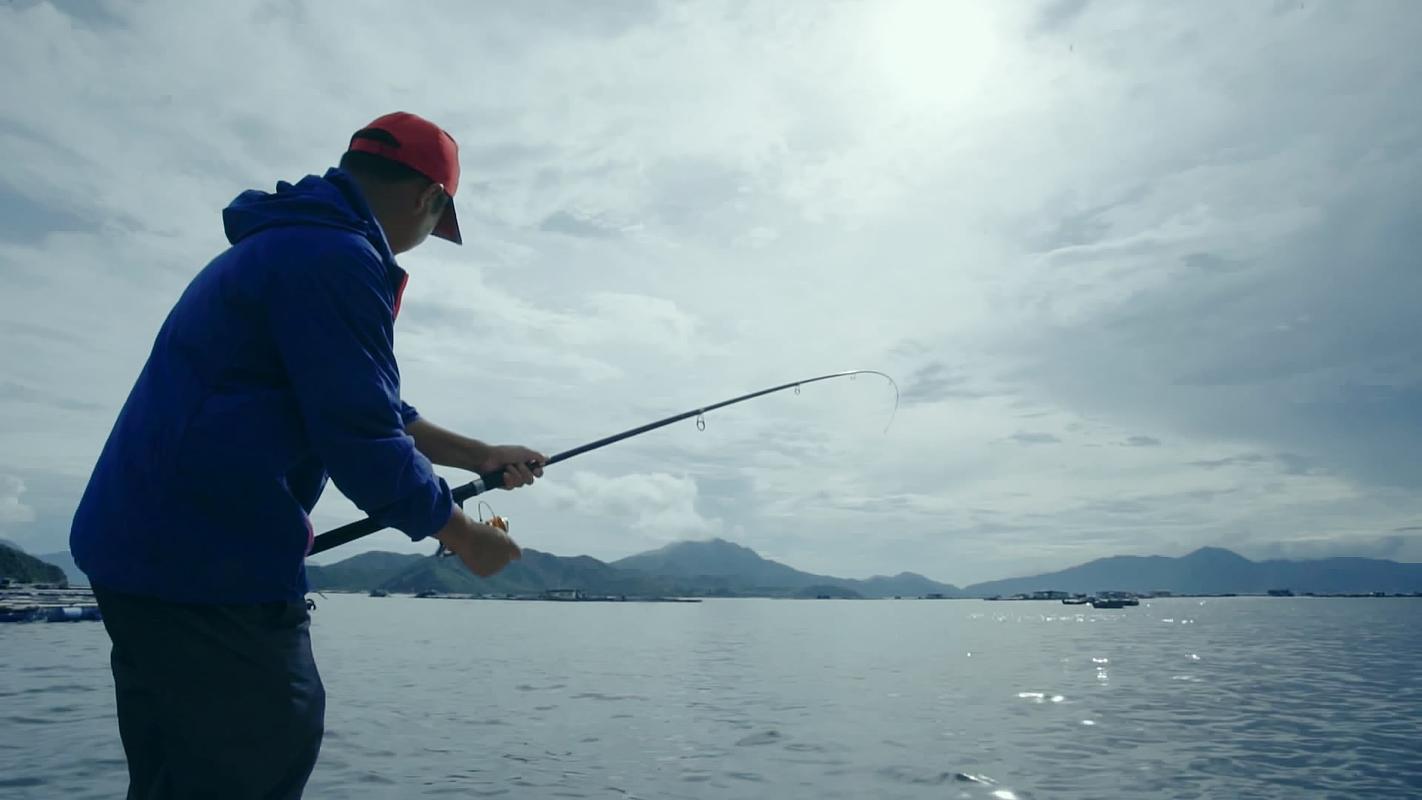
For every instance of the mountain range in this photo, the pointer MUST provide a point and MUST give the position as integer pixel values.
(705, 568)
(718, 568)
(1214, 570)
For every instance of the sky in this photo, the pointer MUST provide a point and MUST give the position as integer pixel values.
(1145, 274)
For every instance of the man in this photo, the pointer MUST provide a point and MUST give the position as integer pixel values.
(274, 370)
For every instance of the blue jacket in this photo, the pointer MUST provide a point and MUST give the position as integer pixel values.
(274, 370)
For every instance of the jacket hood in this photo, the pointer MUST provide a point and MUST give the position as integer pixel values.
(332, 200)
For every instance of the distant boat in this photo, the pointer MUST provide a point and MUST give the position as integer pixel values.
(378, 593)
(1075, 601)
(1102, 602)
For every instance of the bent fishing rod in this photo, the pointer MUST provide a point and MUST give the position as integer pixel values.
(495, 480)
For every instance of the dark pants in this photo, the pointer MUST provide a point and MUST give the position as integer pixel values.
(214, 701)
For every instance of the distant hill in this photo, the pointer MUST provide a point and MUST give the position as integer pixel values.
(708, 568)
(65, 562)
(717, 566)
(1214, 570)
(21, 567)
(533, 573)
(905, 584)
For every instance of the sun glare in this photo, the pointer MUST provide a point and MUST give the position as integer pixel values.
(933, 54)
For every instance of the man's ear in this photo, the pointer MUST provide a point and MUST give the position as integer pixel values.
(432, 199)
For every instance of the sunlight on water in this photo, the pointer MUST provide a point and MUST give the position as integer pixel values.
(1040, 697)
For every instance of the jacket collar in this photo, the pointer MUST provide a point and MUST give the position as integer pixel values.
(349, 189)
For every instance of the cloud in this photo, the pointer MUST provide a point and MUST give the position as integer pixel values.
(1285, 463)
(1362, 545)
(646, 508)
(1024, 437)
(32, 333)
(1054, 223)
(1247, 459)
(1061, 13)
(30, 221)
(937, 381)
(577, 225)
(13, 511)
(19, 393)
(1270, 341)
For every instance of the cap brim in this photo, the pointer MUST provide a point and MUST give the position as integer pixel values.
(448, 226)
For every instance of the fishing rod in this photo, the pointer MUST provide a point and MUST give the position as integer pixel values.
(483, 482)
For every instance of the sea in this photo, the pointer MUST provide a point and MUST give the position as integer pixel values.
(753, 698)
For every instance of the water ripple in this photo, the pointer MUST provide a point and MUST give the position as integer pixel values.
(1239, 697)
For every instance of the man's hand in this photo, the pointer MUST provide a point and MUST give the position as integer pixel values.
(515, 461)
(483, 548)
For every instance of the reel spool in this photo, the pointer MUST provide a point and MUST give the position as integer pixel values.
(502, 523)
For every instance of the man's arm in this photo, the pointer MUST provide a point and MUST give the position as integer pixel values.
(330, 322)
(449, 449)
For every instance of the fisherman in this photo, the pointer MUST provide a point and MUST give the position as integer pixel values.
(273, 372)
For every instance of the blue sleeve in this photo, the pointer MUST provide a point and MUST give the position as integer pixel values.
(332, 323)
(408, 413)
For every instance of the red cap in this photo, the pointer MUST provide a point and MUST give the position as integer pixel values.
(424, 147)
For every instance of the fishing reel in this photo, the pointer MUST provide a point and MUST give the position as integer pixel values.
(502, 523)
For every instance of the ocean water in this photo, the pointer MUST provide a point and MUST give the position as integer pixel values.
(1178, 698)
